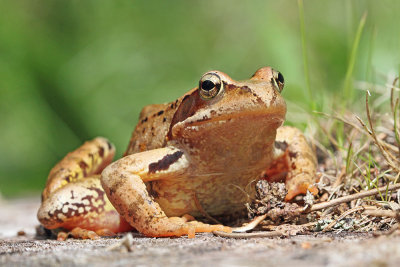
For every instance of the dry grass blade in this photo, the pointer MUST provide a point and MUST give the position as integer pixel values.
(392, 94)
(396, 129)
(377, 141)
(389, 157)
(202, 211)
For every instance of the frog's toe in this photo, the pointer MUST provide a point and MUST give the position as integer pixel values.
(78, 233)
(193, 227)
(199, 227)
(181, 226)
(299, 189)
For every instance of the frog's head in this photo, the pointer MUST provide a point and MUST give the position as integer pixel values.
(231, 108)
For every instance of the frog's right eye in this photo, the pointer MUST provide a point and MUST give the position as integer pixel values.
(278, 80)
(210, 85)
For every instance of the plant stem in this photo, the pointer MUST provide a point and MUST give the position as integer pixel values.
(304, 50)
(347, 89)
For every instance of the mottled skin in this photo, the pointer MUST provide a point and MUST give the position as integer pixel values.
(73, 196)
(199, 154)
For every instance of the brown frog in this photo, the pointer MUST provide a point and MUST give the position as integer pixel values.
(197, 156)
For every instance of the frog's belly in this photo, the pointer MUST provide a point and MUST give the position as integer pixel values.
(217, 194)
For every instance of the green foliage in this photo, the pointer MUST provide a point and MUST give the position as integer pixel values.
(73, 70)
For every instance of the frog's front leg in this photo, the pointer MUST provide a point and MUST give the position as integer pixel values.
(124, 184)
(299, 159)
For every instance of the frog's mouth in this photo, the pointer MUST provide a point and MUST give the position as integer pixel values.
(271, 117)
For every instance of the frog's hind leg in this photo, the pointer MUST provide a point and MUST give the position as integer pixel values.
(73, 197)
(87, 160)
(124, 183)
(297, 161)
(83, 205)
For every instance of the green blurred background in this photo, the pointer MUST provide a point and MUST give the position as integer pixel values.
(73, 70)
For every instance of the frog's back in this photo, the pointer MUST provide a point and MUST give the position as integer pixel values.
(152, 128)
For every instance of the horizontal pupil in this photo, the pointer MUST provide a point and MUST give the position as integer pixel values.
(280, 78)
(207, 85)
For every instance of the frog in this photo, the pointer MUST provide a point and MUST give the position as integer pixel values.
(194, 158)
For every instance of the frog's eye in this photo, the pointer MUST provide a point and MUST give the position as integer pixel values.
(210, 85)
(278, 80)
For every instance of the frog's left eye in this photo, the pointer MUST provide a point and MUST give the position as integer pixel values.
(278, 80)
(210, 85)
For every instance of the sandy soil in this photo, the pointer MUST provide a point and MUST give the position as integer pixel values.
(304, 250)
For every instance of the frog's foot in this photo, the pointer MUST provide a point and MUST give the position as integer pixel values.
(297, 162)
(180, 226)
(80, 233)
(297, 188)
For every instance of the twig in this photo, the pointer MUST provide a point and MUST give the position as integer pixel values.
(349, 198)
(383, 213)
(251, 225)
(248, 235)
(304, 225)
(125, 243)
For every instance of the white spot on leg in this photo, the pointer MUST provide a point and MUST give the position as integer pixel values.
(65, 209)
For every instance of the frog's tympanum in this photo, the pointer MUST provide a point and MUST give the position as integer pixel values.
(199, 155)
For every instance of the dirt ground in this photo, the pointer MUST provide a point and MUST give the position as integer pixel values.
(303, 250)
